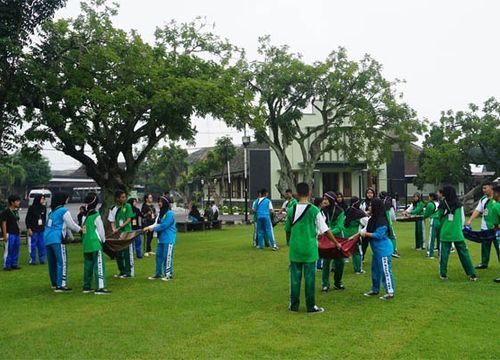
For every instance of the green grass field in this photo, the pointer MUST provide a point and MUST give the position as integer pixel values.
(229, 300)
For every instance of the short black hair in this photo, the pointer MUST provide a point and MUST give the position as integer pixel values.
(487, 183)
(263, 191)
(432, 196)
(303, 189)
(497, 189)
(288, 190)
(119, 193)
(13, 198)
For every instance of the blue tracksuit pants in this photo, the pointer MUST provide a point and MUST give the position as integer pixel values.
(11, 252)
(58, 264)
(138, 246)
(382, 272)
(165, 260)
(264, 226)
(36, 243)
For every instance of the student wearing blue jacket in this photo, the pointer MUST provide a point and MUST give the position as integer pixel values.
(166, 229)
(59, 223)
(263, 208)
(377, 231)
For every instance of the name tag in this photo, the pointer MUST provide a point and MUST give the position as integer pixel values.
(134, 222)
(49, 223)
(40, 222)
(84, 229)
(450, 217)
(121, 223)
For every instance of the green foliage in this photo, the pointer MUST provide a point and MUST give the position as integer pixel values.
(103, 90)
(12, 174)
(163, 168)
(242, 295)
(361, 113)
(36, 167)
(19, 19)
(458, 140)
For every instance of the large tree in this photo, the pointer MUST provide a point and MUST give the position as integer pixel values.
(19, 20)
(163, 168)
(361, 114)
(458, 140)
(106, 97)
(36, 167)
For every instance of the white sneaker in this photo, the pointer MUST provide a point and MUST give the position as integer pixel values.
(146, 254)
(316, 310)
(166, 278)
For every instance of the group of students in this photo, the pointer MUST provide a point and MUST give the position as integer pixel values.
(372, 219)
(48, 234)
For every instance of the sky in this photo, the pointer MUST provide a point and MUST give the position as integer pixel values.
(447, 51)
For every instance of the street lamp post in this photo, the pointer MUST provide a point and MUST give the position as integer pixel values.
(246, 141)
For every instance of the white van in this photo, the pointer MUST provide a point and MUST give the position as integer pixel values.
(44, 192)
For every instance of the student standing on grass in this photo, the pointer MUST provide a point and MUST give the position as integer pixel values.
(431, 212)
(120, 217)
(365, 206)
(289, 202)
(92, 239)
(390, 213)
(304, 223)
(496, 217)
(485, 208)
(335, 218)
(35, 223)
(136, 225)
(59, 225)
(341, 201)
(263, 209)
(167, 233)
(417, 209)
(452, 218)
(377, 231)
(9, 219)
(355, 220)
(148, 211)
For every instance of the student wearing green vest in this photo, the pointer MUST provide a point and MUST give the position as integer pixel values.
(355, 220)
(304, 222)
(92, 240)
(496, 217)
(431, 213)
(417, 209)
(120, 218)
(335, 218)
(485, 208)
(452, 218)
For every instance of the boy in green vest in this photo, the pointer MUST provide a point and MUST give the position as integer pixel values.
(304, 222)
(120, 218)
(485, 208)
(417, 208)
(92, 240)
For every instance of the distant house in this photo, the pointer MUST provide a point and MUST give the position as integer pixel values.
(217, 187)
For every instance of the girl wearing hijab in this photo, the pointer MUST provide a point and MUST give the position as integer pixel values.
(167, 232)
(390, 214)
(377, 231)
(365, 206)
(341, 201)
(417, 209)
(452, 219)
(92, 240)
(148, 211)
(335, 218)
(59, 223)
(35, 223)
(355, 220)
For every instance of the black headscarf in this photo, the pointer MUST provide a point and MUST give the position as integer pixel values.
(450, 202)
(37, 202)
(332, 211)
(367, 200)
(58, 200)
(378, 217)
(353, 212)
(166, 206)
(342, 203)
(386, 199)
(91, 201)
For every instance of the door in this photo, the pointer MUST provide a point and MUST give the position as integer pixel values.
(330, 181)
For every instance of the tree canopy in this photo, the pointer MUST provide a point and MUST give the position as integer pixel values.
(105, 96)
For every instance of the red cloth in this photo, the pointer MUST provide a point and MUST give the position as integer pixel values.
(328, 250)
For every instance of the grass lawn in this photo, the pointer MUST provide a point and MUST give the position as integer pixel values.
(229, 300)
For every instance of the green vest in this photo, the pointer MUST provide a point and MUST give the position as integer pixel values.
(124, 213)
(90, 240)
(488, 214)
(451, 226)
(303, 236)
(337, 226)
(418, 209)
(352, 228)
